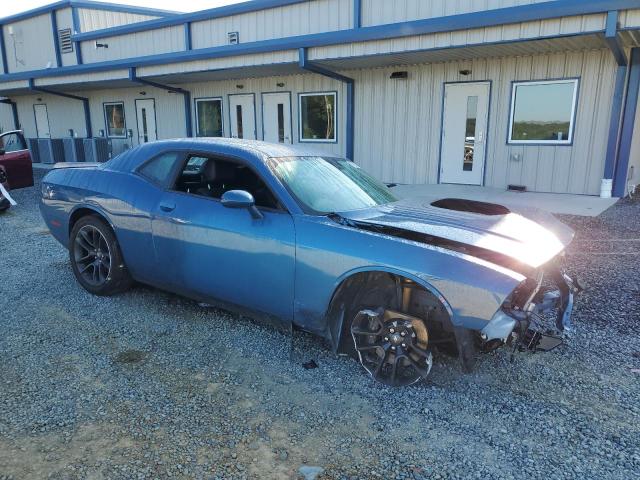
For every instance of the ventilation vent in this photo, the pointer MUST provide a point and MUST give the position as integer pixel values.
(234, 38)
(471, 206)
(64, 40)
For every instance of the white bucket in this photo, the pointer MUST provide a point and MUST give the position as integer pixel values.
(605, 188)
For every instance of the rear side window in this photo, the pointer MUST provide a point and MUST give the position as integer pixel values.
(158, 170)
(12, 142)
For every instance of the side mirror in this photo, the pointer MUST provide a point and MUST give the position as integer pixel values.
(2, 152)
(241, 199)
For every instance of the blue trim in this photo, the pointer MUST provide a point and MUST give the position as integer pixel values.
(113, 7)
(617, 103)
(255, 116)
(84, 100)
(613, 40)
(224, 51)
(262, 95)
(628, 123)
(209, 14)
(75, 18)
(574, 117)
(3, 52)
(202, 99)
(357, 13)
(187, 36)
(450, 23)
(350, 123)
(335, 116)
(56, 43)
(486, 140)
(186, 94)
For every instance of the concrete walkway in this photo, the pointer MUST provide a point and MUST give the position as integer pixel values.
(583, 205)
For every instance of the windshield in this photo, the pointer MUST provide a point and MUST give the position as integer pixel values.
(325, 185)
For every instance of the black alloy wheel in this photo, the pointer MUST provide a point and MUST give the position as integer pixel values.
(393, 348)
(96, 259)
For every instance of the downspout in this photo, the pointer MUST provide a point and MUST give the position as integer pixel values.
(14, 111)
(186, 94)
(56, 43)
(306, 65)
(628, 124)
(84, 100)
(75, 18)
(615, 126)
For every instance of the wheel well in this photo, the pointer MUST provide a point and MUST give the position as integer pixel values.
(81, 213)
(411, 298)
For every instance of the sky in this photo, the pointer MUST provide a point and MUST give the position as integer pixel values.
(11, 8)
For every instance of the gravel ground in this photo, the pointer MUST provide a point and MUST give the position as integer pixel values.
(149, 385)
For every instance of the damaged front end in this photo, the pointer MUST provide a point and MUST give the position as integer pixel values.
(537, 314)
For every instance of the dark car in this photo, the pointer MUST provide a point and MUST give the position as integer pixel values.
(16, 159)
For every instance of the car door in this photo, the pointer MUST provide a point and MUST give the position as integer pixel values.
(15, 158)
(214, 252)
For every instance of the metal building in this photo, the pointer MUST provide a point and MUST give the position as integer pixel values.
(539, 94)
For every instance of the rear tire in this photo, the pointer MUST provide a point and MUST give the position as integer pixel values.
(96, 259)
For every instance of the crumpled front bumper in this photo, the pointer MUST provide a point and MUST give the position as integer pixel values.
(522, 325)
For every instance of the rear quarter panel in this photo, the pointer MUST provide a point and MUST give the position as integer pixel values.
(125, 200)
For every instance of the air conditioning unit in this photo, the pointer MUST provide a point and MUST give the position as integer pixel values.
(32, 145)
(97, 150)
(73, 149)
(51, 150)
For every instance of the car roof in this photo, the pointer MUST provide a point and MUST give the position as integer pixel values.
(237, 146)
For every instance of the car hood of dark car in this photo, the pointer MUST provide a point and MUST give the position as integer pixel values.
(529, 236)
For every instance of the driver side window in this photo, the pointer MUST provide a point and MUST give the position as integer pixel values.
(211, 177)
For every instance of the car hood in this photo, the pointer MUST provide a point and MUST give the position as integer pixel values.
(513, 237)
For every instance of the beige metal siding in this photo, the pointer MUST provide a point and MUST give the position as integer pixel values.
(504, 33)
(169, 112)
(31, 45)
(294, 84)
(287, 56)
(398, 123)
(63, 115)
(629, 19)
(151, 42)
(308, 17)
(377, 12)
(64, 19)
(98, 19)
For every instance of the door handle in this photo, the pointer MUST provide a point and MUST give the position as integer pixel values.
(167, 207)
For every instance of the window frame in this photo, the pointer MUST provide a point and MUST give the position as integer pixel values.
(106, 121)
(572, 121)
(204, 99)
(335, 117)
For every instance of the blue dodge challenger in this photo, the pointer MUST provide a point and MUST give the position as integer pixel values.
(310, 241)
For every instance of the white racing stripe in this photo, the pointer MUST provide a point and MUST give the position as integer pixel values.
(6, 195)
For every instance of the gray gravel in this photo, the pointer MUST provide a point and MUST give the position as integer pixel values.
(150, 385)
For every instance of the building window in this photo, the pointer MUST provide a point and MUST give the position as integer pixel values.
(317, 117)
(543, 112)
(114, 119)
(209, 117)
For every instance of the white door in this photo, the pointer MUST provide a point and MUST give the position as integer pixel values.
(243, 116)
(276, 117)
(464, 132)
(42, 120)
(146, 115)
